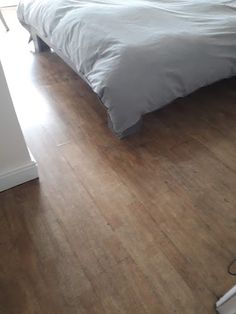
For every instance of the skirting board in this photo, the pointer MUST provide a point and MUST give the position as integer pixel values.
(18, 176)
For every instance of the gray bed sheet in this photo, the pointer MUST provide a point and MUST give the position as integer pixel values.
(138, 56)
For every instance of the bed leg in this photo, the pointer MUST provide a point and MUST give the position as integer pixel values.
(39, 44)
(130, 131)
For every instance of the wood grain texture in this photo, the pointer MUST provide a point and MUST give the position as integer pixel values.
(143, 225)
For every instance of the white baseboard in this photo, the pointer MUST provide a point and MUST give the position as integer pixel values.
(18, 175)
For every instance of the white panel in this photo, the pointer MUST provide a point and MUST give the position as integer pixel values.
(16, 164)
(227, 304)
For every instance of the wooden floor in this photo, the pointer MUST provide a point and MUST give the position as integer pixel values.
(146, 225)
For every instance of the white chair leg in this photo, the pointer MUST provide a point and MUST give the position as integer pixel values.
(3, 21)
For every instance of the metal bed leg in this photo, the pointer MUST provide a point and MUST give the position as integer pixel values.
(3, 21)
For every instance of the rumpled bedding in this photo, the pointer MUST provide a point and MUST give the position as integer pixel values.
(139, 55)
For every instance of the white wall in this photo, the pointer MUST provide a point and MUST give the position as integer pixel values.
(4, 3)
(16, 163)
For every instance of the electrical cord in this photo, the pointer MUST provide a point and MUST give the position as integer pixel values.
(230, 268)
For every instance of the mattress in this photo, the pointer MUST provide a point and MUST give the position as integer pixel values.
(139, 55)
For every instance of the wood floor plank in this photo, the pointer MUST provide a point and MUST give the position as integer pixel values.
(142, 225)
(147, 246)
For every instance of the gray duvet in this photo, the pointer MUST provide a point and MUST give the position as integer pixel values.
(139, 55)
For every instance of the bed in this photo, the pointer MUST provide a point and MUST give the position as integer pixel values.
(137, 55)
